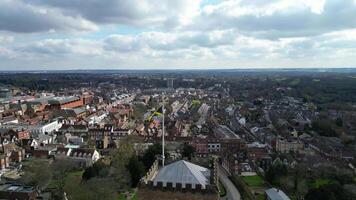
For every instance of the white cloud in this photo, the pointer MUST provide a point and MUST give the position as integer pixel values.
(177, 33)
(6, 39)
(278, 18)
(161, 41)
(62, 47)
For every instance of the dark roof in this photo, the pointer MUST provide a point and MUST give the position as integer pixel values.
(80, 151)
(66, 127)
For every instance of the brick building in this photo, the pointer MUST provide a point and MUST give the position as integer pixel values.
(65, 102)
(232, 149)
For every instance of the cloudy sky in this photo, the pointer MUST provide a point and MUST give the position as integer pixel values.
(176, 34)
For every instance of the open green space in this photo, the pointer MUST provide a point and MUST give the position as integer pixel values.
(253, 181)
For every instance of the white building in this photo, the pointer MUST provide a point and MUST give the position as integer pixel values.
(47, 128)
(96, 118)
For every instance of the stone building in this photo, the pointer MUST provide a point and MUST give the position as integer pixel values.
(180, 180)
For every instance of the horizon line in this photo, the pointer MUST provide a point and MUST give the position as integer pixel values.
(184, 69)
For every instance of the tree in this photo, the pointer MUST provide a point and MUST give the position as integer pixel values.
(276, 170)
(188, 151)
(324, 128)
(150, 155)
(339, 122)
(136, 169)
(300, 181)
(138, 111)
(120, 159)
(333, 191)
(99, 169)
(60, 170)
(37, 174)
(95, 188)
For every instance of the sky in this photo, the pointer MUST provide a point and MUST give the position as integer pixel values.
(176, 34)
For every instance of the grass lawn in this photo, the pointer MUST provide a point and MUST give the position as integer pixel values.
(77, 174)
(222, 190)
(253, 181)
(321, 182)
(73, 178)
(260, 197)
(123, 197)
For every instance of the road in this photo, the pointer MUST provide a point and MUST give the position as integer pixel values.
(231, 191)
(236, 126)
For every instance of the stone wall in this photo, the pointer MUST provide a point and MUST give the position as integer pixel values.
(147, 190)
(148, 194)
(151, 172)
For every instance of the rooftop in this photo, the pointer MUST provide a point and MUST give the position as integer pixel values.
(15, 188)
(62, 100)
(183, 172)
(276, 194)
(224, 132)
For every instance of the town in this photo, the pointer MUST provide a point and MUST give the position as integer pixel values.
(187, 135)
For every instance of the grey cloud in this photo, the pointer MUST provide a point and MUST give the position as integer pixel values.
(15, 16)
(96, 10)
(156, 13)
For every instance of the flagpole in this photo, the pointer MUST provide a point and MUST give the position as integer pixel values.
(163, 112)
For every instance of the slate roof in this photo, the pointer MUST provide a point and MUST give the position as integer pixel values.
(276, 194)
(69, 127)
(183, 172)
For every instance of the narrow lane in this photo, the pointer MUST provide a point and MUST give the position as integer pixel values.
(231, 191)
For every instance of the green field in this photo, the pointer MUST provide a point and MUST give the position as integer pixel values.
(253, 181)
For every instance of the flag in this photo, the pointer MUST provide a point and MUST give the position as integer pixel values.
(156, 114)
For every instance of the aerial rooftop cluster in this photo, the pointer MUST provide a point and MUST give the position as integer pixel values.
(274, 136)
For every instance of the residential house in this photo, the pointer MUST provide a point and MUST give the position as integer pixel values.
(288, 145)
(81, 157)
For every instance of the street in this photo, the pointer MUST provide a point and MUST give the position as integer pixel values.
(231, 191)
